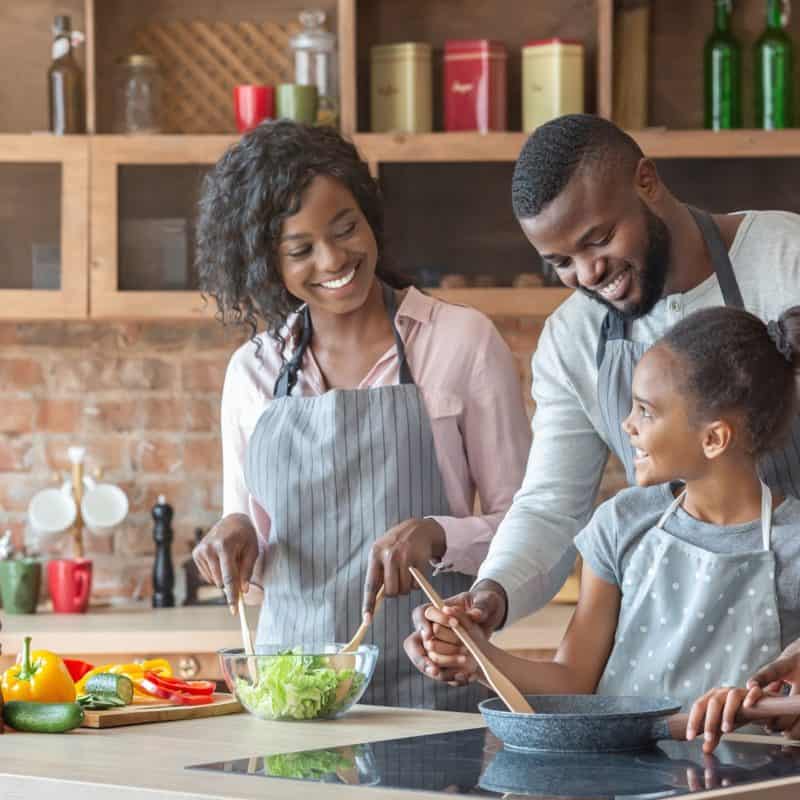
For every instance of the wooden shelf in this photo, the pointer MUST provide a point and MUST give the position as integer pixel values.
(656, 142)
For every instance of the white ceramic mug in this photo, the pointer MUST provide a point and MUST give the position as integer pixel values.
(103, 507)
(52, 511)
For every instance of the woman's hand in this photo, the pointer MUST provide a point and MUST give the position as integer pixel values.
(715, 713)
(226, 555)
(412, 543)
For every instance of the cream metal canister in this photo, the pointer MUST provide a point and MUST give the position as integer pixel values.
(401, 88)
(552, 81)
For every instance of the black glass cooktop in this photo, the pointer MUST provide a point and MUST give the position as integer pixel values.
(473, 762)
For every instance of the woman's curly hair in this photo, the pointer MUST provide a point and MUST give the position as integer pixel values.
(246, 197)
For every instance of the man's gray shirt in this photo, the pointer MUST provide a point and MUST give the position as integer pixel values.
(532, 552)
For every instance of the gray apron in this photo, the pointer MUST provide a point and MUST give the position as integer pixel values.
(691, 619)
(335, 472)
(617, 356)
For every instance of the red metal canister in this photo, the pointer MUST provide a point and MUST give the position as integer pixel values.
(474, 85)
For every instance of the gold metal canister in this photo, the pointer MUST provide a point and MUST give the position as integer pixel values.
(552, 81)
(401, 87)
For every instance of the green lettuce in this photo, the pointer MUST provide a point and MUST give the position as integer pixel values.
(315, 764)
(295, 686)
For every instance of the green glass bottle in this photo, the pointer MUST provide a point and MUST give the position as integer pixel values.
(723, 72)
(774, 63)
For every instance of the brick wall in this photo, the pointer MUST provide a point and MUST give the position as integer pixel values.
(143, 399)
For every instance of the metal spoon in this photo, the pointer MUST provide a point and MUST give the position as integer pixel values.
(505, 689)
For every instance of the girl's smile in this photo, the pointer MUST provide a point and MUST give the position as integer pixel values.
(668, 444)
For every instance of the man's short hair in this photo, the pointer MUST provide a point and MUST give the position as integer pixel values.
(556, 150)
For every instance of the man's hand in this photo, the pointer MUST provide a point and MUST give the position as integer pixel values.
(412, 543)
(226, 555)
(485, 605)
(783, 671)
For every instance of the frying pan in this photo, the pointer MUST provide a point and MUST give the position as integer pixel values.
(591, 723)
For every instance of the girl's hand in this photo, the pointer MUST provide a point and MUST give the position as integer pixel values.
(715, 713)
(444, 648)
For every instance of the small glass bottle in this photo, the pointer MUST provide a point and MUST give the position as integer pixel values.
(723, 72)
(315, 63)
(65, 82)
(137, 95)
(774, 64)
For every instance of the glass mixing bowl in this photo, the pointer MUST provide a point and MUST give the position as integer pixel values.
(308, 681)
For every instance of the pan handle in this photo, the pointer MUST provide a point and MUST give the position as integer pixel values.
(766, 708)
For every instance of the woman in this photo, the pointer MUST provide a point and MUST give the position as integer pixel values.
(358, 426)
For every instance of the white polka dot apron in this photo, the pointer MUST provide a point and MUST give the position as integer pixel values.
(691, 619)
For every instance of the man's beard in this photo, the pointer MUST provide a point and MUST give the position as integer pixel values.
(654, 276)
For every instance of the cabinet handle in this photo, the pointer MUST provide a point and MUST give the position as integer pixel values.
(188, 667)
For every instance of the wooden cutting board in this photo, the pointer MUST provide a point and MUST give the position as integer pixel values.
(137, 715)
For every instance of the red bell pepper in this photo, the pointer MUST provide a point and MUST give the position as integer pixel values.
(77, 668)
(177, 685)
(150, 684)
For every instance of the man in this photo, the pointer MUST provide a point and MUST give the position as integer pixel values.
(593, 206)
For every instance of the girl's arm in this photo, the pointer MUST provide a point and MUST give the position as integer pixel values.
(581, 657)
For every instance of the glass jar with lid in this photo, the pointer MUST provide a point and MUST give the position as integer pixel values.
(314, 51)
(137, 95)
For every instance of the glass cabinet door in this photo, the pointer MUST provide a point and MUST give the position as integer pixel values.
(44, 232)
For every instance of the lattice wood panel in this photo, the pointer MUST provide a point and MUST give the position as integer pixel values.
(201, 62)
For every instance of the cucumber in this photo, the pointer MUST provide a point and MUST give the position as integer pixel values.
(23, 715)
(105, 683)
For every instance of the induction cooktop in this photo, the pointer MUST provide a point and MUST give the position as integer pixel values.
(473, 762)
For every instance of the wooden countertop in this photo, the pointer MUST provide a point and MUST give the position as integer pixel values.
(203, 629)
(140, 759)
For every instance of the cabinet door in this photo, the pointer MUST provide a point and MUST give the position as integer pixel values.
(143, 205)
(43, 227)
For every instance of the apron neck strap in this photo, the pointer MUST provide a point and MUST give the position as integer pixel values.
(390, 301)
(287, 378)
(766, 514)
(719, 257)
(671, 510)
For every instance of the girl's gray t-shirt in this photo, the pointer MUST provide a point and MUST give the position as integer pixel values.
(619, 524)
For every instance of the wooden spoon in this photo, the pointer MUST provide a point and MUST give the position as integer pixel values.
(353, 645)
(247, 642)
(505, 689)
(343, 659)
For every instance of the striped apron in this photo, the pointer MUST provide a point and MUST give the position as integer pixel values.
(617, 357)
(335, 472)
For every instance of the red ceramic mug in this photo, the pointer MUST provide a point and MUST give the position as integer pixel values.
(252, 105)
(69, 581)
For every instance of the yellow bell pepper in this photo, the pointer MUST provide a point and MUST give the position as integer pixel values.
(41, 676)
(134, 671)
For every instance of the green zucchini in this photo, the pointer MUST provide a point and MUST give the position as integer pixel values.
(100, 702)
(108, 684)
(24, 715)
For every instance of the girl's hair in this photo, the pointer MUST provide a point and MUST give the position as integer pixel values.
(736, 363)
(246, 197)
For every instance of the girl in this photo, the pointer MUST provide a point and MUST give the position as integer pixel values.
(358, 426)
(688, 585)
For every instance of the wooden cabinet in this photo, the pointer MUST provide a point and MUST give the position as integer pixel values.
(126, 235)
(43, 226)
(143, 196)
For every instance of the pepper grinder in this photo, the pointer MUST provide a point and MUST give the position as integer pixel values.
(163, 574)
